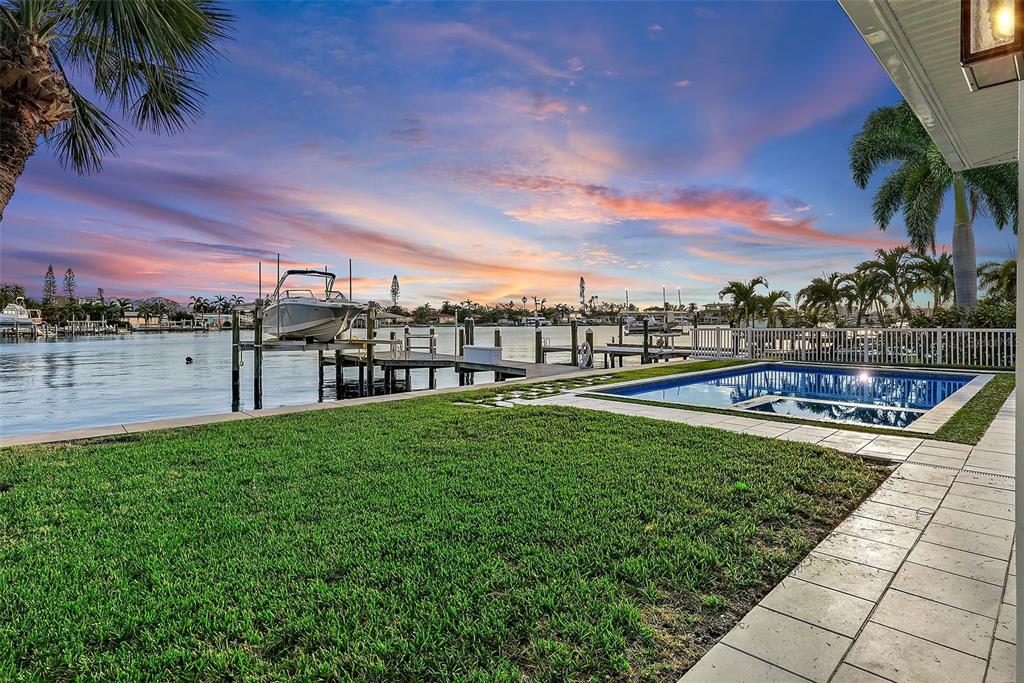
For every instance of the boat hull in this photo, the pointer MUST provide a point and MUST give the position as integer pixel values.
(319, 321)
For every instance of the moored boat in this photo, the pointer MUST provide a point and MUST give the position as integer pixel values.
(16, 316)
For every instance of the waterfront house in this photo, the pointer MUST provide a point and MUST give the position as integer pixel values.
(718, 313)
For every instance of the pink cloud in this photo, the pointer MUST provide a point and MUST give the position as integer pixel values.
(560, 199)
(725, 257)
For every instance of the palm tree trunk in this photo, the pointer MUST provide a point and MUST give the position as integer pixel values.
(18, 142)
(965, 261)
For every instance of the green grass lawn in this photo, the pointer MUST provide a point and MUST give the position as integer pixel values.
(411, 540)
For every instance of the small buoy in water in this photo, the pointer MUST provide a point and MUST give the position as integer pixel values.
(188, 360)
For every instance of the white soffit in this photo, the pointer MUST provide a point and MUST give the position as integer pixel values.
(918, 43)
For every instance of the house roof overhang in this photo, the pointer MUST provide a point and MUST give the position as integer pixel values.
(918, 44)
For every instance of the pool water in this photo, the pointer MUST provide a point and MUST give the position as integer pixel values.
(893, 398)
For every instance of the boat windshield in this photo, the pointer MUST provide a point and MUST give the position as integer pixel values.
(326, 294)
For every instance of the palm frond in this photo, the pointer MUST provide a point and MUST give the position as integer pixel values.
(995, 189)
(921, 208)
(889, 198)
(87, 137)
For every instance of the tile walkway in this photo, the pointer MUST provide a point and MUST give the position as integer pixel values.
(916, 586)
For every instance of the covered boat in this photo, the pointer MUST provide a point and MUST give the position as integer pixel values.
(308, 315)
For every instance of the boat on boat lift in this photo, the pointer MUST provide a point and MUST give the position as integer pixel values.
(15, 315)
(302, 314)
(632, 325)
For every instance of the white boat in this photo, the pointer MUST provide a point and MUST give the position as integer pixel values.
(633, 326)
(536, 321)
(16, 315)
(301, 314)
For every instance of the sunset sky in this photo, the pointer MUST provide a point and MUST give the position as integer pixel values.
(489, 151)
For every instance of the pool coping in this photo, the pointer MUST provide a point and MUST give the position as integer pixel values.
(929, 423)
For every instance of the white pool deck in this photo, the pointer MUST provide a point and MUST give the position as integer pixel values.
(916, 586)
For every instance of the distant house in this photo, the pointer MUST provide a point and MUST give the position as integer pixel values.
(443, 319)
(719, 313)
(137, 319)
(213, 320)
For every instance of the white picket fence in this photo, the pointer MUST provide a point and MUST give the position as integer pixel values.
(967, 348)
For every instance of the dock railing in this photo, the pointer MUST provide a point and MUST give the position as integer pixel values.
(430, 345)
(937, 346)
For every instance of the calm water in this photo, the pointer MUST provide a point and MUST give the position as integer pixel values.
(94, 381)
(903, 391)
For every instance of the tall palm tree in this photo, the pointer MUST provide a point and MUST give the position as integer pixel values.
(1000, 277)
(220, 303)
(936, 274)
(744, 297)
(140, 58)
(824, 294)
(766, 305)
(895, 276)
(918, 186)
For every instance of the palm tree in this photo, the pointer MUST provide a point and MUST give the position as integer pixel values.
(1000, 277)
(220, 303)
(744, 298)
(198, 304)
(864, 289)
(824, 293)
(896, 277)
(142, 58)
(766, 304)
(919, 184)
(936, 274)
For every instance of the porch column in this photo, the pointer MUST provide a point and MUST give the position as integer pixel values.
(1019, 372)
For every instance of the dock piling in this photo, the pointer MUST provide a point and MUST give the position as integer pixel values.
(389, 376)
(320, 376)
(236, 363)
(646, 357)
(470, 340)
(498, 377)
(538, 344)
(574, 354)
(371, 333)
(257, 357)
(339, 375)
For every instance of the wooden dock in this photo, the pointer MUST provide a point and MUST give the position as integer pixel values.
(402, 357)
(613, 352)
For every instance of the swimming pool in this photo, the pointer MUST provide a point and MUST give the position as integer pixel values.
(891, 398)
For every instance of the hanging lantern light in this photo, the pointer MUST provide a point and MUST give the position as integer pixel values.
(991, 41)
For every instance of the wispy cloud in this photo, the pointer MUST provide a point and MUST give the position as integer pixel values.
(566, 200)
(436, 38)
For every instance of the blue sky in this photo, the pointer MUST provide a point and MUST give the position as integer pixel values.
(490, 151)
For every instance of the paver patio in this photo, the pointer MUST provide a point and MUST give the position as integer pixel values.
(916, 586)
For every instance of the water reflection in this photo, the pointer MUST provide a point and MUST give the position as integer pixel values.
(92, 381)
(810, 410)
